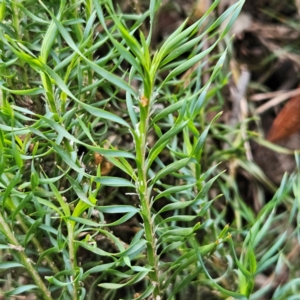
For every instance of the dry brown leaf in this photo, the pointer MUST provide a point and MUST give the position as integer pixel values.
(98, 158)
(106, 166)
(287, 122)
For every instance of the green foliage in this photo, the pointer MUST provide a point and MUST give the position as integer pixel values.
(81, 75)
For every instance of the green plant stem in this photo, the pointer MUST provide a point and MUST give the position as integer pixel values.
(25, 260)
(73, 260)
(37, 245)
(88, 12)
(144, 195)
(15, 19)
(77, 27)
(2, 10)
(49, 92)
(2, 14)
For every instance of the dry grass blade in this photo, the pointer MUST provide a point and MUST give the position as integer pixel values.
(277, 100)
(265, 96)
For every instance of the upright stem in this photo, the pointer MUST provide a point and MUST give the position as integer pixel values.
(144, 195)
(88, 12)
(15, 18)
(73, 260)
(2, 15)
(16, 21)
(25, 260)
(77, 27)
(37, 245)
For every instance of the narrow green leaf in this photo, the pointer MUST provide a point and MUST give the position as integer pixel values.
(168, 110)
(115, 209)
(87, 222)
(98, 112)
(98, 269)
(188, 64)
(33, 16)
(175, 166)
(200, 143)
(99, 70)
(172, 40)
(149, 290)
(5, 247)
(180, 218)
(67, 158)
(172, 190)
(274, 248)
(183, 283)
(13, 182)
(237, 9)
(130, 109)
(163, 141)
(138, 246)
(224, 16)
(213, 282)
(111, 286)
(17, 153)
(123, 165)
(109, 152)
(63, 204)
(34, 177)
(32, 231)
(176, 205)
(184, 232)
(47, 253)
(94, 249)
(57, 282)
(138, 277)
(206, 187)
(114, 181)
(134, 45)
(29, 92)
(180, 50)
(243, 270)
(10, 265)
(127, 55)
(79, 192)
(50, 35)
(86, 130)
(21, 289)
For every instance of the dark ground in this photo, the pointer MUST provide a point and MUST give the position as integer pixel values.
(266, 48)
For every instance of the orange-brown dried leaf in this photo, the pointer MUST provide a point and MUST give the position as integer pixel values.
(144, 101)
(98, 158)
(287, 122)
(106, 167)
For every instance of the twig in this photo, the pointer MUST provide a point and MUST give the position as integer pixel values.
(25, 260)
(276, 100)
